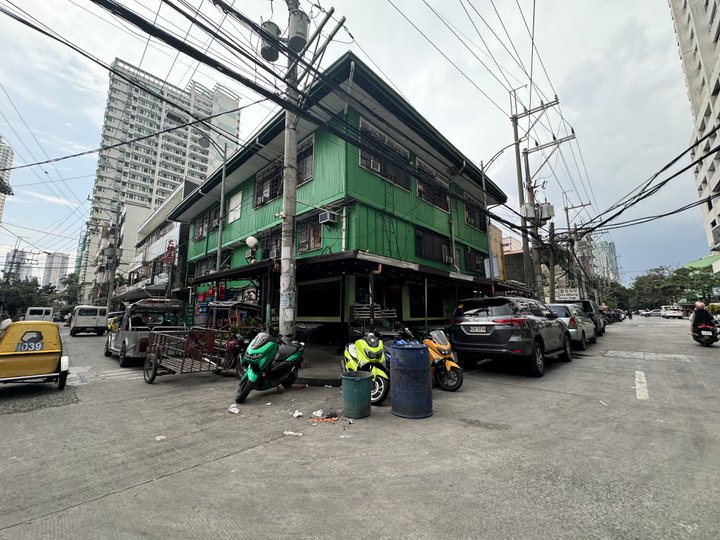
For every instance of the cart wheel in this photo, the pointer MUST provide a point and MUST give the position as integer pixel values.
(150, 368)
(62, 379)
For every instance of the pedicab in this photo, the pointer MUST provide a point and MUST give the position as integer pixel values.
(31, 351)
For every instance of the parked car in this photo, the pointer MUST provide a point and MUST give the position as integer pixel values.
(130, 338)
(592, 310)
(582, 328)
(509, 327)
(652, 313)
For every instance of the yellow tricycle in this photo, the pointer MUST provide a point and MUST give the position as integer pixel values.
(31, 351)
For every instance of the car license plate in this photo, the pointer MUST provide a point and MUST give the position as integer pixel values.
(706, 333)
(477, 329)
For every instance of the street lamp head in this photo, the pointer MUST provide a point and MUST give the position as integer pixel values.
(251, 242)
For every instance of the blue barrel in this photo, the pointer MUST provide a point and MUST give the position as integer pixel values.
(356, 388)
(411, 381)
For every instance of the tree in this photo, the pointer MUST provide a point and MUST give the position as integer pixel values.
(71, 289)
(652, 289)
(617, 296)
(694, 283)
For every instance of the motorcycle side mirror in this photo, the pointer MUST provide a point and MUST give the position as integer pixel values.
(398, 325)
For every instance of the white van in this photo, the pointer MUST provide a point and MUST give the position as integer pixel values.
(88, 319)
(39, 314)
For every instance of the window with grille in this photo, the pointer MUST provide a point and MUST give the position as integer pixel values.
(383, 156)
(305, 160)
(475, 261)
(201, 228)
(234, 207)
(270, 246)
(432, 187)
(474, 213)
(309, 235)
(268, 184)
(430, 245)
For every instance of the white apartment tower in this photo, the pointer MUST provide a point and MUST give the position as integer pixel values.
(56, 268)
(144, 173)
(697, 28)
(6, 161)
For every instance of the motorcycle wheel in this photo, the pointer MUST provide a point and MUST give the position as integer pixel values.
(244, 390)
(379, 390)
(239, 367)
(292, 377)
(449, 380)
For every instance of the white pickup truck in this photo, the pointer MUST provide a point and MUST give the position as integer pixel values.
(671, 312)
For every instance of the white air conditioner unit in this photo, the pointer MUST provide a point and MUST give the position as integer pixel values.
(374, 165)
(215, 223)
(249, 254)
(275, 253)
(327, 217)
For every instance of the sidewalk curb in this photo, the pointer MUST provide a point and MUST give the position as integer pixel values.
(318, 381)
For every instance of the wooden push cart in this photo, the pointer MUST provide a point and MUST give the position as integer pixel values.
(193, 350)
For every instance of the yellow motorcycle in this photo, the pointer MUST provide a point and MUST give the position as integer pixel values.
(367, 354)
(445, 370)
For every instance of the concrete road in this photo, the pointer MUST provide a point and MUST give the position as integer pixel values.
(620, 443)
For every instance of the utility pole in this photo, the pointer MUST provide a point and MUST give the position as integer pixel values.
(521, 191)
(536, 262)
(551, 264)
(113, 257)
(289, 207)
(537, 219)
(572, 238)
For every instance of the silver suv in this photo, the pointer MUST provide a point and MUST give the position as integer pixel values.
(503, 327)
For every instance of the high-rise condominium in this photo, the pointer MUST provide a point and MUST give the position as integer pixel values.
(144, 172)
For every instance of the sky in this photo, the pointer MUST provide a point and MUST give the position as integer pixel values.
(614, 66)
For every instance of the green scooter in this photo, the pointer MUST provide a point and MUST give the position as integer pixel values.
(269, 362)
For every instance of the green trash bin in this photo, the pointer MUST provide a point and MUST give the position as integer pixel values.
(356, 388)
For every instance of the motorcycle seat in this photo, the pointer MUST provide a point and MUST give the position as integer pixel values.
(287, 350)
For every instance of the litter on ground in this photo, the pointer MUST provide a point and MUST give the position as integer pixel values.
(160, 438)
(295, 433)
(233, 409)
(297, 414)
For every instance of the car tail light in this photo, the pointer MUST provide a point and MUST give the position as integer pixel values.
(514, 321)
(572, 323)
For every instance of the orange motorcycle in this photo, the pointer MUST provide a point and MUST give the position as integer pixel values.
(445, 370)
(443, 365)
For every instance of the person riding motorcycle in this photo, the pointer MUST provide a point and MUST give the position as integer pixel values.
(700, 316)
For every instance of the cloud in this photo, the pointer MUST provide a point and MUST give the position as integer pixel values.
(51, 199)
